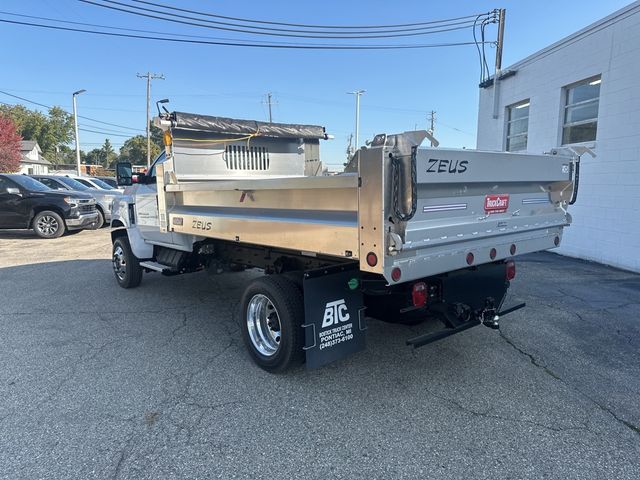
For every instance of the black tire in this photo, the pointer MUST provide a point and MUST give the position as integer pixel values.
(126, 266)
(387, 308)
(287, 302)
(48, 224)
(100, 222)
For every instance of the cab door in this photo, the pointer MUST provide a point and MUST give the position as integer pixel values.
(12, 205)
(147, 207)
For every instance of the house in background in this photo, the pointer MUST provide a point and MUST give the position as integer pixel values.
(32, 161)
(582, 90)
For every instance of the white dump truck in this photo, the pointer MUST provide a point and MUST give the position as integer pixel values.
(404, 234)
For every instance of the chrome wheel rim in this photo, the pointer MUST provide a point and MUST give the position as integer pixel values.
(263, 325)
(119, 262)
(47, 225)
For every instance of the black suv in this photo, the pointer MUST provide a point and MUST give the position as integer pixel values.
(27, 203)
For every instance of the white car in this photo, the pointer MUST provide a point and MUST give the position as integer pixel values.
(93, 182)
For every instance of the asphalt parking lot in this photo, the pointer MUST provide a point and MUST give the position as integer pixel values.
(101, 382)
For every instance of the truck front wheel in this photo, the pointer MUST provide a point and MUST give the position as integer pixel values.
(271, 317)
(48, 224)
(100, 222)
(125, 264)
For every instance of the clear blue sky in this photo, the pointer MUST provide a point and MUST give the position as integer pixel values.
(308, 86)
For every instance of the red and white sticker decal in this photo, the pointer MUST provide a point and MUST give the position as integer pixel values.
(496, 203)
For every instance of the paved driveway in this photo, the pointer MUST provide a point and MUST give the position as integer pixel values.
(99, 382)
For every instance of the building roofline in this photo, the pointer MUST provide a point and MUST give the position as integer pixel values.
(595, 27)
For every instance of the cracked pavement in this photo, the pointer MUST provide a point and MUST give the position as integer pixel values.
(101, 382)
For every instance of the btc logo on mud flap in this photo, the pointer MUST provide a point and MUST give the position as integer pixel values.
(334, 313)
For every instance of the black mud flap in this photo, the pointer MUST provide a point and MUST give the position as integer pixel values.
(334, 314)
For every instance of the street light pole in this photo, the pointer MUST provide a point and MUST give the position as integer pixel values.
(357, 93)
(75, 124)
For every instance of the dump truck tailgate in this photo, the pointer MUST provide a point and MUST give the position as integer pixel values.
(441, 210)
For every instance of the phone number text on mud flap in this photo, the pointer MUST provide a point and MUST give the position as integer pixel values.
(336, 335)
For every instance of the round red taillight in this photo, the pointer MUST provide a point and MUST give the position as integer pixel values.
(556, 241)
(396, 273)
(510, 272)
(493, 253)
(372, 259)
(513, 249)
(470, 258)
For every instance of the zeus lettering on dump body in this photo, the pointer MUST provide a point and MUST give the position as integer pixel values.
(446, 166)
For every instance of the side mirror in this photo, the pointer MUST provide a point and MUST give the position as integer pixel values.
(13, 191)
(124, 174)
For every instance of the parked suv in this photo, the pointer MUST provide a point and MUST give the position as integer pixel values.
(104, 198)
(111, 181)
(27, 203)
(94, 182)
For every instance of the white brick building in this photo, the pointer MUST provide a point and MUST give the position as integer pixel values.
(585, 90)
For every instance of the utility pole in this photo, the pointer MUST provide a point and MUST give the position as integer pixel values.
(432, 122)
(149, 76)
(349, 149)
(499, 45)
(270, 102)
(357, 93)
(75, 125)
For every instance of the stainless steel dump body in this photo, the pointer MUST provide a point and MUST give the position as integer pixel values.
(423, 211)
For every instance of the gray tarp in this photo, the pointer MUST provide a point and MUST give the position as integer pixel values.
(232, 126)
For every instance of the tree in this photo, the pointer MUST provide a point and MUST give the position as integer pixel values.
(66, 155)
(9, 146)
(157, 137)
(50, 131)
(134, 150)
(94, 157)
(109, 156)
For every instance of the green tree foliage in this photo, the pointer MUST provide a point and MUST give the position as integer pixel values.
(109, 155)
(134, 150)
(156, 138)
(9, 146)
(50, 130)
(93, 157)
(66, 155)
(105, 155)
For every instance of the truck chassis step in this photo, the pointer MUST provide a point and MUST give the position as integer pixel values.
(155, 266)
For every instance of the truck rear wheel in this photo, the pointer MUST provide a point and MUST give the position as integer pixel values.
(48, 224)
(126, 266)
(271, 317)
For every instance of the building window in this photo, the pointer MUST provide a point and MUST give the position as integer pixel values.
(581, 111)
(517, 126)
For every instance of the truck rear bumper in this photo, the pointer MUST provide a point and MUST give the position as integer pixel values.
(87, 220)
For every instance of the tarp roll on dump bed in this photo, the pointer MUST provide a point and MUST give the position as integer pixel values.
(232, 126)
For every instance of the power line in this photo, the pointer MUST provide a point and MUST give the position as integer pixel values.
(350, 29)
(79, 116)
(139, 11)
(105, 133)
(81, 129)
(69, 22)
(246, 44)
(171, 7)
